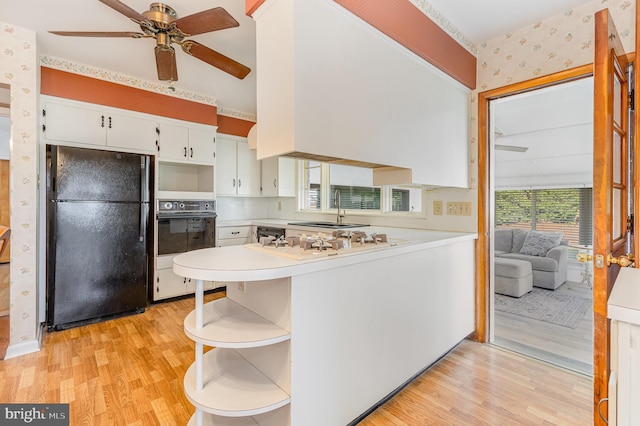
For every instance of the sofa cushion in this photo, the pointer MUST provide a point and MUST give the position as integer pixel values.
(502, 240)
(537, 262)
(538, 243)
(518, 239)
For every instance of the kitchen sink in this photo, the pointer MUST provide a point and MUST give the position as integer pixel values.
(332, 225)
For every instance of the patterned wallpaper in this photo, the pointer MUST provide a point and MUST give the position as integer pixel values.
(558, 43)
(19, 69)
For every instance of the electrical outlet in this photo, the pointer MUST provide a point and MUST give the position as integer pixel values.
(279, 205)
(460, 208)
(437, 208)
(241, 286)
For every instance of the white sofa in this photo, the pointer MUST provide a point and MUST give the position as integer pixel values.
(548, 264)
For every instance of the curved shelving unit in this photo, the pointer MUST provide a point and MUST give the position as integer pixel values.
(227, 324)
(211, 420)
(232, 387)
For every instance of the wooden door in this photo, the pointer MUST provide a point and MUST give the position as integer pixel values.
(611, 186)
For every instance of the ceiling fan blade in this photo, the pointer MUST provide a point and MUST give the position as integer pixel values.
(124, 9)
(206, 21)
(216, 59)
(166, 63)
(98, 34)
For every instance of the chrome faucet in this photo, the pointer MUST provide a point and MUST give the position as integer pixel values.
(336, 203)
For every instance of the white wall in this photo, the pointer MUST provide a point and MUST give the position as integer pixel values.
(19, 69)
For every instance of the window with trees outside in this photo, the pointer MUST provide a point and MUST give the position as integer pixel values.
(567, 210)
(324, 183)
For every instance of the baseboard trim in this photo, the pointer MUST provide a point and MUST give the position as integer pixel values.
(22, 349)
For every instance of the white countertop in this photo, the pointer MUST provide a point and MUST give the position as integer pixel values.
(239, 263)
(624, 300)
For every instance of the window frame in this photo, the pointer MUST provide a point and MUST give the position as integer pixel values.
(386, 198)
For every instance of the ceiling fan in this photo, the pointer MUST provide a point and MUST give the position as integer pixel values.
(162, 23)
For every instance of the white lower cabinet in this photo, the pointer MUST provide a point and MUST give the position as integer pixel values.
(233, 235)
(170, 285)
(246, 378)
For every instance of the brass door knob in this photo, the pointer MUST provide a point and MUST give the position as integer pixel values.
(623, 260)
(584, 257)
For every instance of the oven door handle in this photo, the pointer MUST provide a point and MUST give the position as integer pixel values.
(185, 215)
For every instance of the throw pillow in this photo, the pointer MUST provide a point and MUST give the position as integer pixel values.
(538, 243)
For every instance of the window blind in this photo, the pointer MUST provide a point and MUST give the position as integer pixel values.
(567, 210)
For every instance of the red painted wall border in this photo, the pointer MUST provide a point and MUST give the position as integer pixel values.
(234, 126)
(81, 88)
(406, 24)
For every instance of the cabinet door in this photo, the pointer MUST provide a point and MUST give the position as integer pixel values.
(278, 177)
(248, 171)
(226, 165)
(174, 142)
(169, 285)
(72, 124)
(133, 133)
(202, 146)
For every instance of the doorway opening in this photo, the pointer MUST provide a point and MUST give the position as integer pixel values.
(5, 249)
(542, 157)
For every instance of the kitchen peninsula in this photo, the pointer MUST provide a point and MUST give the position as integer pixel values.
(321, 341)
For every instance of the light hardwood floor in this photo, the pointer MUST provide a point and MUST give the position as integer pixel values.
(129, 371)
(570, 348)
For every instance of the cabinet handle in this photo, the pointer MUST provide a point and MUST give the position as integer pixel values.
(191, 152)
(235, 232)
(185, 152)
(274, 183)
(102, 124)
(109, 122)
(234, 183)
(239, 183)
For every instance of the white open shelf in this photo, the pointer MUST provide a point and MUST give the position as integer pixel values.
(211, 420)
(232, 387)
(227, 324)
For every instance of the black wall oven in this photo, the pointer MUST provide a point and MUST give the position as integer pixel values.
(186, 225)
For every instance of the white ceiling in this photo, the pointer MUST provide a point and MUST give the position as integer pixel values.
(484, 20)
(556, 125)
(135, 57)
(479, 20)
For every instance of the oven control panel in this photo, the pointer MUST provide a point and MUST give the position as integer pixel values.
(187, 206)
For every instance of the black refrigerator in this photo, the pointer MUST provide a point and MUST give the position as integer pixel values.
(97, 222)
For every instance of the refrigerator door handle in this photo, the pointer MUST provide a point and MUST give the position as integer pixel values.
(143, 221)
(144, 196)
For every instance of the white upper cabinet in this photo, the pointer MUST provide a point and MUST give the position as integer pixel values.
(238, 170)
(72, 124)
(134, 133)
(278, 177)
(188, 142)
(75, 122)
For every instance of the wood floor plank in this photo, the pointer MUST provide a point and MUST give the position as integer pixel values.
(130, 371)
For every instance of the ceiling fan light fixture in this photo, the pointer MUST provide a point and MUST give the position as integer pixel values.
(166, 63)
(162, 23)
(512, 148)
